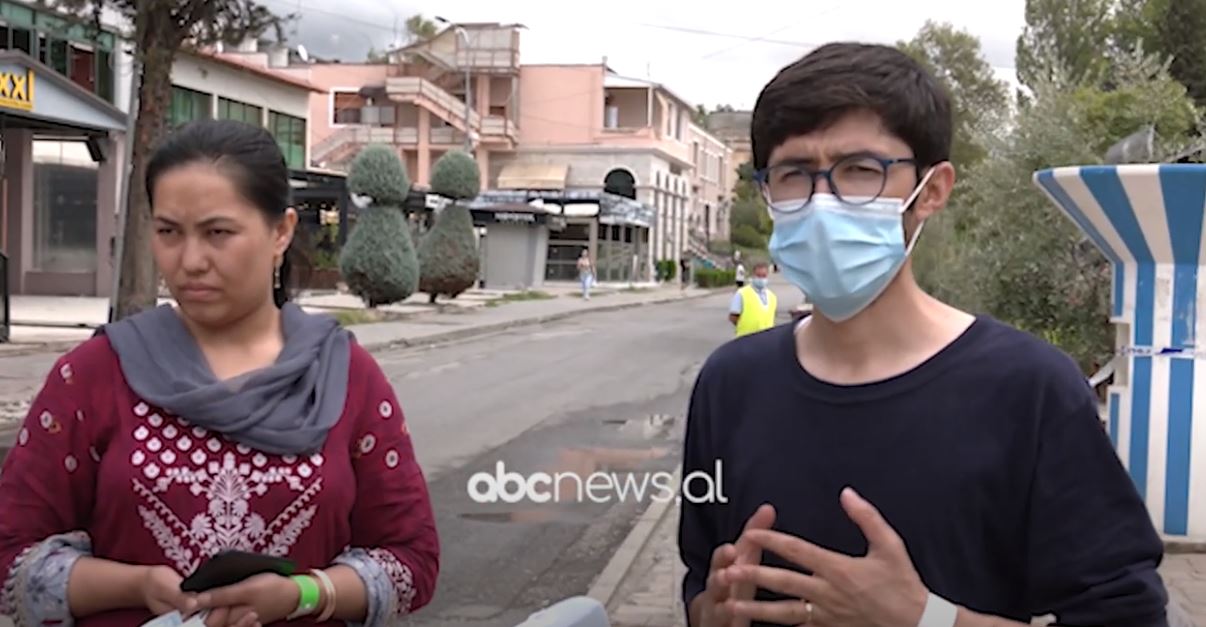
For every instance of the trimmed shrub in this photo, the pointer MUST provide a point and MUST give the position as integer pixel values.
(455, 175)
(448, 254)
(713, 277)
(379, 262)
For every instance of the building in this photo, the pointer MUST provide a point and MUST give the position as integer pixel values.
(712, 179)
(733, 128)
(426, 100)
(572, 138)
(60, 155)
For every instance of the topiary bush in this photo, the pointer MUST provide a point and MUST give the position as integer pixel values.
(379, 262)
(455, 175)
(448, 254)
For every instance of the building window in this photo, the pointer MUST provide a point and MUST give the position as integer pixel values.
(290, 134)
(64, 194)
(188, 105)
(347, 107)
(104, 75)
(241, 111)
(82, 67)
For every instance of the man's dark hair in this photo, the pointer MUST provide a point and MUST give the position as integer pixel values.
(839, 78)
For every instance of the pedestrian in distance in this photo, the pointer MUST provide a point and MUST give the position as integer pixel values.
(752, 308)
(891, 459)
(231, 420)
(740, 274)
(586, 273)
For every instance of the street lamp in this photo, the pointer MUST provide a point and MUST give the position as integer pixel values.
(460, 31)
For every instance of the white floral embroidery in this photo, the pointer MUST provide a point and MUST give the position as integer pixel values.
(316, 459)
(229, 484)
(391, 459)
(65, 371)
(367, 443)
(141, 409)
(70, 463)
(46, 420)
(23, 437)
(399, 574)
(95, 454)
(386, 409)
(79, 415)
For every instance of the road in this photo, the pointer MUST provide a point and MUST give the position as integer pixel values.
(605, 392)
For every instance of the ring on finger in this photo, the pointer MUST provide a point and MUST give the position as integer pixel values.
(807, 613)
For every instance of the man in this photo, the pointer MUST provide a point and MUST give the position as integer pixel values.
(918, 465)
(739, 274)
(753, 307)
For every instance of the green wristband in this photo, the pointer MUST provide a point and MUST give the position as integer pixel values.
(307, 601)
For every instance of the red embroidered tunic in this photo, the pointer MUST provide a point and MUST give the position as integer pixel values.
(95, 464)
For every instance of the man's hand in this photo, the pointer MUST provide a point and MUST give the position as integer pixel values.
(714, 612)
(881, 589)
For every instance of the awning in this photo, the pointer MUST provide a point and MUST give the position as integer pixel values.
(533, 176)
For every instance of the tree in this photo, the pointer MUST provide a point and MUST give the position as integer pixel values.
(448, 254)
(979, 101)
(379, 263)
(1065, 40)
(419, 28)
(160, 29)
(1017, 257)
(1180, 33)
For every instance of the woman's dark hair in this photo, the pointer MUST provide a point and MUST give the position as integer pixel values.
(840, 78)
(251, 157)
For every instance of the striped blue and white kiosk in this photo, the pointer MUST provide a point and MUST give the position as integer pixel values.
(1148, 220)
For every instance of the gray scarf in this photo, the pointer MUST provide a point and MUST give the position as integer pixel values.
(284, 409)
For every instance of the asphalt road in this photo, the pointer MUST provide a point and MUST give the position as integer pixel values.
(604, 392)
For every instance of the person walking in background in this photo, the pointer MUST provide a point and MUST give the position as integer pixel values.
(753, 306)
(684, 266)
(740, 274)
(586, 273)
(232, 421)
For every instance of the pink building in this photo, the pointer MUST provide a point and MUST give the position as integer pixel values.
(589, 144)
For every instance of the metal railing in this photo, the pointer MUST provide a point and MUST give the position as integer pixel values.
(5, 300)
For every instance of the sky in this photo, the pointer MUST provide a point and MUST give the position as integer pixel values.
(708, 52)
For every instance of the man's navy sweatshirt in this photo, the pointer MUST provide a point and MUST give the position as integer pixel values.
(988, 459)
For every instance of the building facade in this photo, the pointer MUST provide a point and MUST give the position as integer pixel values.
(61, 149)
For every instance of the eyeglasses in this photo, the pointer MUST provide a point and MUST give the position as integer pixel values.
(856, 180)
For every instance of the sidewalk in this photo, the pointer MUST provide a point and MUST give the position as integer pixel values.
(24, 366)
(650, 593)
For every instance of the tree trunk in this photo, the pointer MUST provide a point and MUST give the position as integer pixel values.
(157, 40)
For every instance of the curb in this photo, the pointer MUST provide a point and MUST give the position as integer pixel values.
(609, 581)
(460, 334)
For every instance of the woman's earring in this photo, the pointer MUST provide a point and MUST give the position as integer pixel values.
(276, 277)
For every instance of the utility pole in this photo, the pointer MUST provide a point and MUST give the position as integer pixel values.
(464, 36)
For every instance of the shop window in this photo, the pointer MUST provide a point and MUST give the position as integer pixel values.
(64, 194)
(240, 111)
(290, 134)
(188, 105)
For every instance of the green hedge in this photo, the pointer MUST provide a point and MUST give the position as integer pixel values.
(714, 277)
(667, 269)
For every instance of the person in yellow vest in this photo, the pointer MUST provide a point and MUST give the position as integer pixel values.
(753, 306)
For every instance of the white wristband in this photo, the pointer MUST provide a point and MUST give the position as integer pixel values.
(938, 612)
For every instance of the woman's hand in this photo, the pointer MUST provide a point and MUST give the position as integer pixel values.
(161, 593)
(259, 600)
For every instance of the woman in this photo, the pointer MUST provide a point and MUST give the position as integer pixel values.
(233, 420)
(586, 275)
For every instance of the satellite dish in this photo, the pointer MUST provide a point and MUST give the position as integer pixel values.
(1138, 147)
(301, 52)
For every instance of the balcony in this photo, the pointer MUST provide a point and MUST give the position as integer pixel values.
(497, 126)
(345, 142)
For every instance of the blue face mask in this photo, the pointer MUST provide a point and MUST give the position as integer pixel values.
(840, 255)
(758, 282)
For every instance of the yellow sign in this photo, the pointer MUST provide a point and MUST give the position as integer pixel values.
(17, 90)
